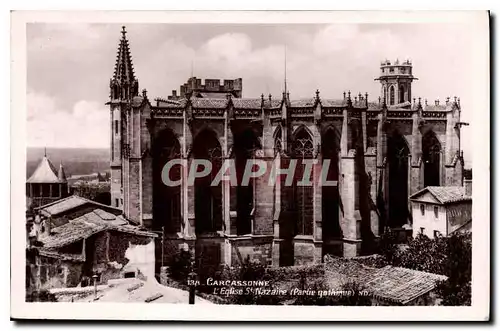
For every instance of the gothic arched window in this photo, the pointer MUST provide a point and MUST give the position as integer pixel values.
(278, 145)
(330, 202)
(431, 156)
(166, 199)
(398, 153)
(401, 94)
(391, 95)
(245, 144)
(302, 149)
(208, 198)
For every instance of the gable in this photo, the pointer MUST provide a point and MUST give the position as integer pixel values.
(426, 197)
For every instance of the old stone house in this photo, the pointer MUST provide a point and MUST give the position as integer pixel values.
(442, 210)
(93, 243)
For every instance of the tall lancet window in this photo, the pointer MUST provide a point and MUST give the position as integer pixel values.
(302, 150)
(208, 198)
(431, 156)
(401, 94)
(246, 143)
(166, 199)
(330, 145)
(391, 95)
(398, 153)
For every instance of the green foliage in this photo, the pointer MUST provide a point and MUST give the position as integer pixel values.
(388, 247)
(40, 296)
(456, 290)
(450, 256)
(180, 266)
(425, 254)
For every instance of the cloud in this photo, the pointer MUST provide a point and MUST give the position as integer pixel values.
(69, 65)
(86, 124)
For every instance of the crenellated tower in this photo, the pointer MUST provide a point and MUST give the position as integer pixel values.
(123, 87)
(396, 79)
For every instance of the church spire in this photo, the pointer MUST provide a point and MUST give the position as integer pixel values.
(124, 70)
(124, 84)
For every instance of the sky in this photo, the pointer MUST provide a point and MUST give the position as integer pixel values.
(69, 66)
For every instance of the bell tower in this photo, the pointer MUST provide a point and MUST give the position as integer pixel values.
(123, 87)
(396, 79)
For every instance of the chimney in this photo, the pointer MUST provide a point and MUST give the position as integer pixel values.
(468, 187)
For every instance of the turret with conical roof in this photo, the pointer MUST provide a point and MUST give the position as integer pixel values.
(46, 184)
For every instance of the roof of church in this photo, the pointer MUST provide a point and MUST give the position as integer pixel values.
(209, 102)
(434, 107)
(247, 103)
(47, 173)
(444, 194)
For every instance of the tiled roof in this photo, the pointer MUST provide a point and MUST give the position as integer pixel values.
(273, 103)
(434, 107)
(216, 95)
(389, 283)
(44, 173)
(86, 226)
(60, 256)
(401, 106)
(302, 103)
(209, 103)
(374, 105)
(181, 103)
(333, 102)
(247, 103)
(74, 201)
(444, 194)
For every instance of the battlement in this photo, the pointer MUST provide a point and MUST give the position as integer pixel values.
(388, 68)
(211, 87)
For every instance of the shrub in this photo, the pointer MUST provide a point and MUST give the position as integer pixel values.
(40, 296)
(180, 267)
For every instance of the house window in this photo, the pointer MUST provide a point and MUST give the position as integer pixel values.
(436, 211)
(422, 230)
(422, 209)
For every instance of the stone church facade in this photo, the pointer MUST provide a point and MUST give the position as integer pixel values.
(381, 152)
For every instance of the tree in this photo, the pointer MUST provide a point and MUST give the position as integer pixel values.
(450, 256)
(456, 290)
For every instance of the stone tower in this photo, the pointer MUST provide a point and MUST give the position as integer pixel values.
(396, 79)
(123, 87)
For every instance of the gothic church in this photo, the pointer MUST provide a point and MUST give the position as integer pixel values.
(381, 152)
